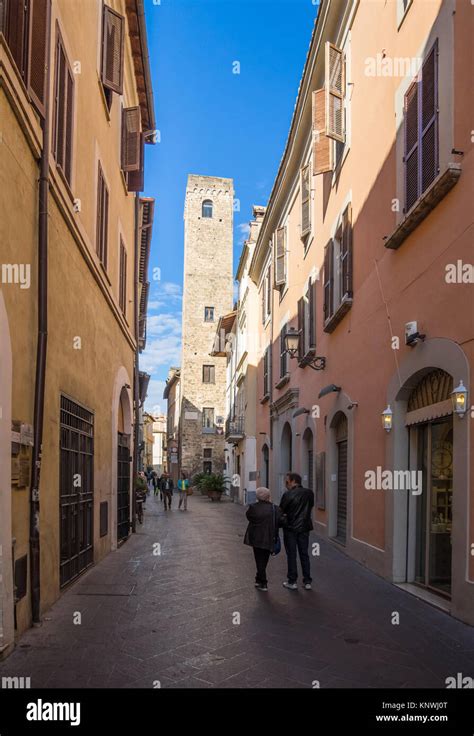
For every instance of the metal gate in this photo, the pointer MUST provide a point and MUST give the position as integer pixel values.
(342, 491)
(76, 490)
(123, 486)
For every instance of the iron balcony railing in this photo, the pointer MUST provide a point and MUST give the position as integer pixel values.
(234, 428)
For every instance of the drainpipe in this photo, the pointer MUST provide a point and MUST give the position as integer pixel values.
(136, 389)
(42, 338)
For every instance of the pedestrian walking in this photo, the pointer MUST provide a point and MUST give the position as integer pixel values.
(183, 487)
(262, 532)
(296, 505)
(156, 483)
(167, 490)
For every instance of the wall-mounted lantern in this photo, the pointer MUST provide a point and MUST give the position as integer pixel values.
(292, 344)
(459, 399)
(387, 419)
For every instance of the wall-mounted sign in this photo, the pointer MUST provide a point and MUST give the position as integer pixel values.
(190, 415)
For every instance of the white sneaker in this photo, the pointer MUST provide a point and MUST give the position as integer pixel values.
(307, 586)
(290, 586)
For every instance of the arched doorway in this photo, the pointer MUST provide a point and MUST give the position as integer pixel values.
(308, 459)
(430, 425)
(123, 466)
(6, 576)
(341, 435)
(286, 455)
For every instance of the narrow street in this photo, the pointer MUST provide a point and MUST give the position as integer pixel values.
(173, 618)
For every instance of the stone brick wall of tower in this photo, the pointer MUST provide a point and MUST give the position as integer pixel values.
(208, 282)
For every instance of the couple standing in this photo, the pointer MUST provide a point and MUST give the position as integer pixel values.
(294, 515)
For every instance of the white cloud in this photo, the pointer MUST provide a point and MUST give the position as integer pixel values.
(244, 229)
(164, 324)
(155, 403)
(159, 352)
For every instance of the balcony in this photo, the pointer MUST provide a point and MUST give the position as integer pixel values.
(234, 429)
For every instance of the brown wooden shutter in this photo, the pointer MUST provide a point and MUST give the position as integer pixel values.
(280, 257)
(59, 104)
(16, 25)
(328, 280)
(411, 146)
(263, 299)
(429, 119)
(113, 25)
(102, 218)
(136, 179)
(334, 86)
(305, 202)
(69, 120)
(269, 290)
(39, 20)
(312, 315)
(265, 373)
(301, 326)
(131, 143)
(346, 253)
(123, 278)
(322, 145)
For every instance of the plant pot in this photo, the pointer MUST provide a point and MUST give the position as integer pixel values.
(214, 495)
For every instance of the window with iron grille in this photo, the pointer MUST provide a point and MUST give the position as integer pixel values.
(208, 417)
(123, 278)
(76, 489)
(208, 314)
(208, 374)
(63, 110)
(102, 217)
(421, 130)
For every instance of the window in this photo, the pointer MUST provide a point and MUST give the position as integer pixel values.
(24, 25)
(322, 145)
(307, 322)
(280, 256)
(267, 370)
(334, 85)
(208, 314)
(283, 353)
(207, 466)
(123, 278)
(207, 453)
(338, 273)
(132, 149)
(421, 130)
(208, 418)
(305, 201)
(102, 218)
(63, 111)
(113, 25)
(207, 208)
(208, 374)
(266, 294)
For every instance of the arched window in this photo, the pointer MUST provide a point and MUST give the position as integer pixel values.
(207, 208)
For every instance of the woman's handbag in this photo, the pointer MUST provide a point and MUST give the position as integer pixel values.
(276, 540)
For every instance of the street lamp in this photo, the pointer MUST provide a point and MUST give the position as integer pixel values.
(459, 399)
(292, 344)
(387, 419)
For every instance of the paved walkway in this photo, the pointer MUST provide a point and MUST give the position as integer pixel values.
(173, 618)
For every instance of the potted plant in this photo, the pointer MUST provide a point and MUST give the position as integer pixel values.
(215, 485)
(198, 482)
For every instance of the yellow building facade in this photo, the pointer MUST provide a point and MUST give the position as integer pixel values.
(73, 256)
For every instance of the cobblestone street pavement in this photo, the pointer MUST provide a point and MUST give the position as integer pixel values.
(170, 618)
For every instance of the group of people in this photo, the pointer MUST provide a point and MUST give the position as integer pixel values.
(164, 487)
(293, 515)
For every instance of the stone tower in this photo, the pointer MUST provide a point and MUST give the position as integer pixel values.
(207, 295)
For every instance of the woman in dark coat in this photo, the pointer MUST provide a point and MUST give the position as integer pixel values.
(264, 519)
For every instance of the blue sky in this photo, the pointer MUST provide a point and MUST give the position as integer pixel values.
(217, 123)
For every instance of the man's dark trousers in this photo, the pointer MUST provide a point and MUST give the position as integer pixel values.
(261, 559)
(297, 541)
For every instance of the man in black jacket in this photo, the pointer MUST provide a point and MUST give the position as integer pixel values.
(297, 504)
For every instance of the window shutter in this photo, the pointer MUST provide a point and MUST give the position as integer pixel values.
(16, 15)
(68, 131)
(136, 179)
(131, 151)
(411, 146)
(346, 253)
(269, 290)
(328, 279)
(429, 119)
(60, 105)
(334, 86)
(283, 353)
(305, 202)
(39, 19)
(312, 315)
(322, 145)
(280, 257)
(123, 278)
(301, 326)
(112, 50)
(265, 372)
(102, 218)
(263, 299)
